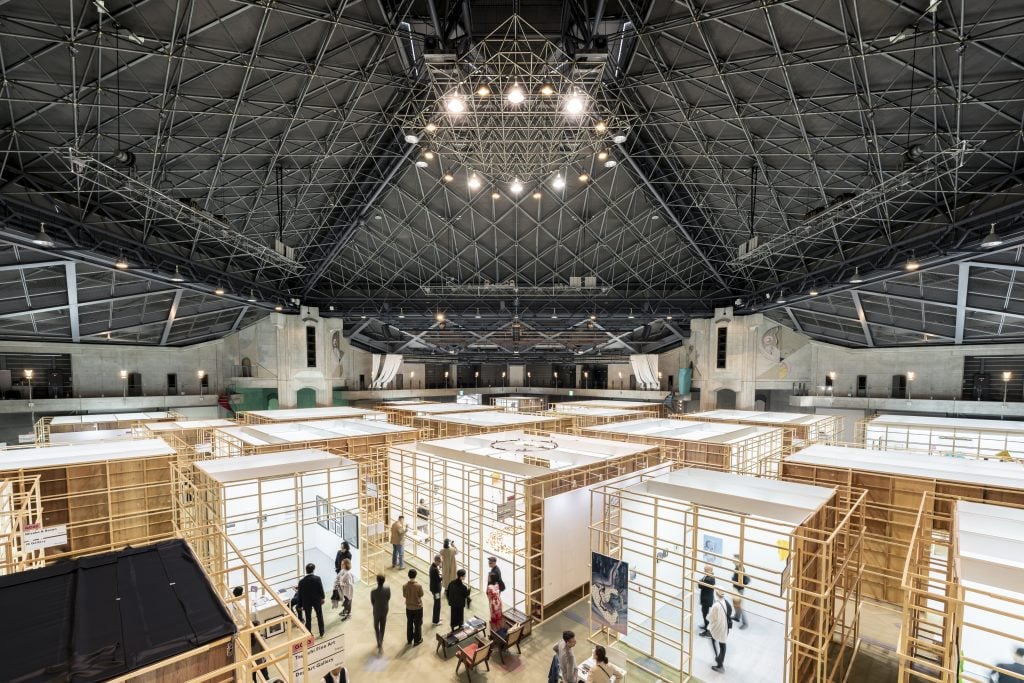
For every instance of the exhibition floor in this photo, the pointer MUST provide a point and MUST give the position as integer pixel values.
(402, 664)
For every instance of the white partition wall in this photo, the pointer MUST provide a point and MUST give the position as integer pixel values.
(355, 437)
(951, 436)
(311, 414)
(281, 510)
(668, 527)
(520, 497)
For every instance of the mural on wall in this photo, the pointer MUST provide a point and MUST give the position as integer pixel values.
(337, 353)
(777, 345)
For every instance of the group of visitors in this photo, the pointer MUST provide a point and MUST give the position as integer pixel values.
(718, 614)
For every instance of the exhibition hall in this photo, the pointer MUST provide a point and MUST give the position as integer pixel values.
(474, 341)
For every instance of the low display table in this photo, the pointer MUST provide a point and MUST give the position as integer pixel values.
(469, 630)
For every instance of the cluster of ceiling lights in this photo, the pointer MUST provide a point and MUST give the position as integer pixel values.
(991, 241)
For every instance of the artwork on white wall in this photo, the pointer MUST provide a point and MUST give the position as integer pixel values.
(712, 546)
(609, 592)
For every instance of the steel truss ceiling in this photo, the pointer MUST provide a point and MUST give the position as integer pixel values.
(772, 149)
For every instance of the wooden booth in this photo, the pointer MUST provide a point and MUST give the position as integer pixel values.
(659, 533)
(583, 417)
(112, 423)
(262, 417)
(643, 406)
(895, 482)
(462, 424)
(408, 413)
(20, 513)
(190, 438)
(280, 510)
(963, 616)
(354, 438)
(799, 429)
(520, 404)
(97, 496)
(730, 448)
(953, 436)
(518, 496)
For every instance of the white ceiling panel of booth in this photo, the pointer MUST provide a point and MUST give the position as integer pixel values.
(1007, 426)
(249, 467)
(76, 454)
(300, 414)
(108, 417)
(762, 417)
(295, 432)
(991, 545)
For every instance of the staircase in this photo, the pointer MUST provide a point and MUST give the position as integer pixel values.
(224, 400)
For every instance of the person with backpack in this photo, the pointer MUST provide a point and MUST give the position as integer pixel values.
(740, 580)
(603, 671)
(563, 664)
(719, 625)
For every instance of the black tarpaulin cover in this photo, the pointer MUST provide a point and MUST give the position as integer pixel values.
(103, 616)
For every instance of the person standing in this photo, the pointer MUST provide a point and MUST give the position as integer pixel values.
(603, 671)
(720, 623)
(398, 543)
(448, 553)
(494, 570)
(494, 601)
(311, 597)
(345, 586)
(413, 594)
(380, 597)
(566, 658)
(436, 588)
(707, 596)
(458, 595)
(344, 553)
(1015, 669)
(739, 582)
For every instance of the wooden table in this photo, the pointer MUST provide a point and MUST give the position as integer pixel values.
(469, 630)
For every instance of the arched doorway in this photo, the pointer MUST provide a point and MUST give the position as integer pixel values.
(725, 399)
(305, 398)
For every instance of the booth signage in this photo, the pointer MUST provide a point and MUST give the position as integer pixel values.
(38, 536)
(321, 658)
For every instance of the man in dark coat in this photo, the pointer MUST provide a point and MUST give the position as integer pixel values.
(494, 570)
(380, 598)
(458, 595)
(311, 597)
(707, 596)
(436, 588)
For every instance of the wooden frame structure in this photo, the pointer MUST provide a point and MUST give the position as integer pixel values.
(500, 494)
(190, 438)
(20, 511)
(800, 546)
(280, 415)
(98, 422)
(407, 413)
(520, 404)
(718, 446)
(643, 406)
(964, 588)
(953, 436)
(108, 495)
(799, 429)
(351, 438)
(895, 482)
(586, 417)
(273, 507)
(466, 424)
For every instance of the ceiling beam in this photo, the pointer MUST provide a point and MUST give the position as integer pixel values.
(963, 280)
(94, 302)
(172, 313)
(863, 318)
(71, 277)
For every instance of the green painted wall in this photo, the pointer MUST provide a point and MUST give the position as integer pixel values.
(252, 399)
(305, 398)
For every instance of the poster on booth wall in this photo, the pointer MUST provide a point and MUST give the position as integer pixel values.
(321, 657)
(609, 592)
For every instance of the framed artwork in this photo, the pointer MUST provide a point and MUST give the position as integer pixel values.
(712, 547)
(609, 592)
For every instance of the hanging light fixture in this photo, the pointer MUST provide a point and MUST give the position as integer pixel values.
(455, 103)
(547, 90)
(631, 316)
(601, 127)
(448, 177)
(495, 195)
(516, 187)
(559, 182)
(584, 177)
(537, 195)
(554, 314)
(991, 239)
(856, 279)
(252, 297)
(42, 239)
(412, 138)
(428, 155)
(619, 138)
(611, 163)
(279, 308)
(602, 155)
(431, 127)
(484, 90)
(912, 264)
(121, 263)
(814, 291)
(219, 291)
(474, 181)
(574, 105)
(177, 277)
(421, 162)
(782, 297)
(515, 94)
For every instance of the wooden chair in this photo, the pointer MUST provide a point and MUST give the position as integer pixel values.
(510, 639)
(474, 654)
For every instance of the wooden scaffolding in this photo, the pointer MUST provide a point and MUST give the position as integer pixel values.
(98, 422)
(520, 404)
(655, 521)
(729, 448)
(586, 417)
(466, 424)
(351, 438)
(407, 413)
(798, 429)
(260, 417)
(950, 436)
(20, 512)
(642, 406)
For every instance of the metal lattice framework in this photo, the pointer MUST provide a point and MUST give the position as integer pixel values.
(846, 139)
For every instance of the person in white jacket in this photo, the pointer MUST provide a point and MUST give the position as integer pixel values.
(720, 621)
(604, 671)
(345, 584)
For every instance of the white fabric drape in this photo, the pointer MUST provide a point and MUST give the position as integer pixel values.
(388, 367)
(645, 368)
(375, 369)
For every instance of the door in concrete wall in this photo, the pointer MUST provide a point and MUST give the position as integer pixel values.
(305, 398)
(399, 381)
(632, 382)
(725, 399)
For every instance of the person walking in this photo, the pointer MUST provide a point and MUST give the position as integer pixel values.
(565, 657)
(436, 588)
(720, 624)
(398, 543)
(494, 570)
(380, 597)
(707, 596)
(448, 553)
(311, 598)
(740, 580)
(494, 602)
(413, 594)
(603, 671)
(458, 597)
(345, 586)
